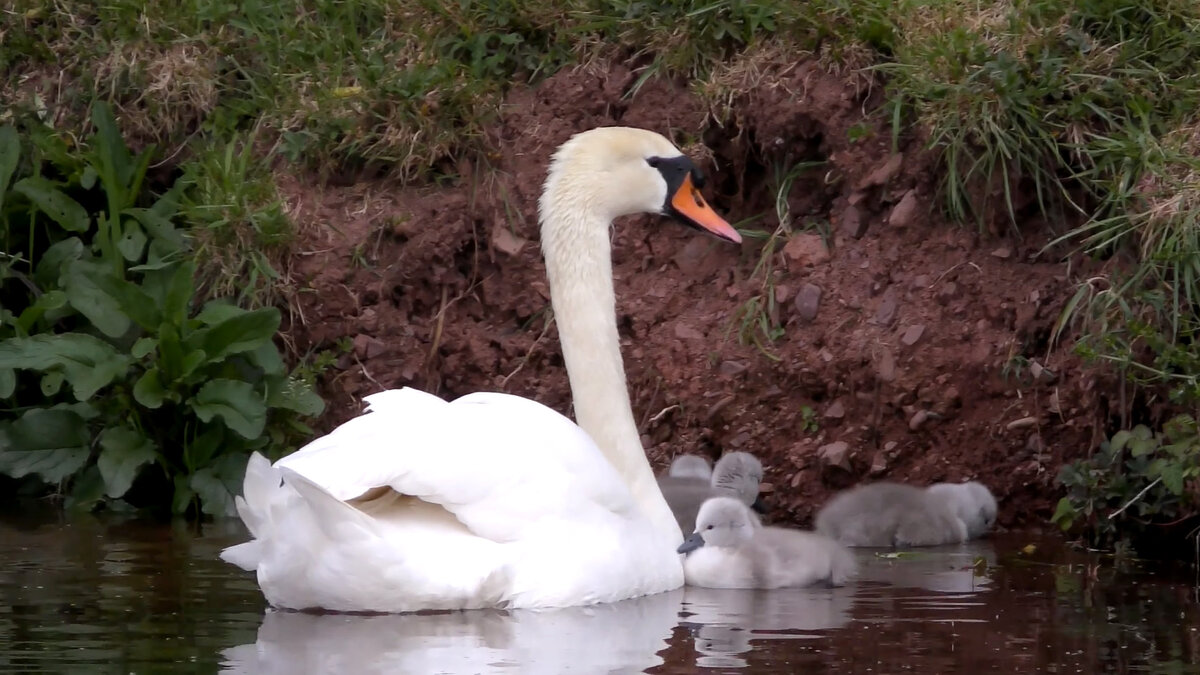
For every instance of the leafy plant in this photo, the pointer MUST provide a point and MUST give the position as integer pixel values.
(1137, 481)
(110, 371)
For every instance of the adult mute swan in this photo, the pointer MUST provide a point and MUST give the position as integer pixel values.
(494, 500)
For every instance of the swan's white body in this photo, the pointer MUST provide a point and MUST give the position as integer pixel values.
(491, 500)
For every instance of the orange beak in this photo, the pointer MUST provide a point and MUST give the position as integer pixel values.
(688, 204)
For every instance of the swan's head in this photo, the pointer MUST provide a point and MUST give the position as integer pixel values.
(972, 502)
(739, 474)
(690, 466)
(618, 171)
(722, 521)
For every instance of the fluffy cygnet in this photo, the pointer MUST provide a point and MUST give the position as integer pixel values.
(730, 549)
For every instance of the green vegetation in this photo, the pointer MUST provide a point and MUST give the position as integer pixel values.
(1083, 112)
(114, 374)
(1138, 484)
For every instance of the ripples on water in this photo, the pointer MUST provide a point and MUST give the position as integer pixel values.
(89, 594)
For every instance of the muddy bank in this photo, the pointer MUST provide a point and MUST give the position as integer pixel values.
(910, 349)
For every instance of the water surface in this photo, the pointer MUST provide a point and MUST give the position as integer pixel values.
(109, 594)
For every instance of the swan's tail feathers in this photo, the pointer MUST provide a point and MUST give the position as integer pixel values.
(410, 401)
(246, 556)
(262, 495)
(338, 520)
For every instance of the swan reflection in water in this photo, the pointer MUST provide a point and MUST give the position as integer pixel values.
(626, 636)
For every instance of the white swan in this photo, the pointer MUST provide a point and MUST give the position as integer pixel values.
(689, 466)
(887, 514)
(737, 474)
(730, 549)
(494, 500)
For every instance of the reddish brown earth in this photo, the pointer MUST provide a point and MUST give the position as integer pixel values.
(916, 366)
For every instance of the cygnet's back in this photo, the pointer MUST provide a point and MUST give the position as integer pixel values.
(737, 474)
(690, 466)
(731, 550)
(972, 502)
(887, 514)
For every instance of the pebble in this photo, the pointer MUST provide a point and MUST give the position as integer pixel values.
(852, 222)
(886, 311)
(835, 411)
(806, 250)
(912, 334)
(905, 212)
(836, 454)
(808, 301)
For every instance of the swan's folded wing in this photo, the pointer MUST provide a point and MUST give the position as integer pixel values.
(501, 464)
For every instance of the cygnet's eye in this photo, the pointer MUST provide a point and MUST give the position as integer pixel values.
(709, 527)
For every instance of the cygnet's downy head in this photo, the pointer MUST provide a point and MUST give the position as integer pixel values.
(972, 502)
(722, 521)
(740, 474)
(617, 171)
(690, 466)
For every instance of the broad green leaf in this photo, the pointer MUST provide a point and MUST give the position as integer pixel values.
(240, 333)
(90, 300)
(10, 153)
(55, 203)
(1172, 477)
(200, 452)
(1142, 446)
(51, 383)
(216, 485)
(88, 363)
(112, 159)
(170, 353)
(236, 403)
(56, 260)
(183, 495)
(293, 394)
(267, 357)
(1064, 515)
(132, 300)
(159, 227)
(87, 180)
(179, 294)
(123, 453)
(216, 311)
(148, 390)
(192, 361)
(47, 301)
(132, 241)
(52, 443)
(86, 490)
(143, 347)
(8, 382)
(1119, 440)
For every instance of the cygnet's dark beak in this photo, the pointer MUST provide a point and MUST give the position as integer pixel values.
(759, 505)
(693, 542)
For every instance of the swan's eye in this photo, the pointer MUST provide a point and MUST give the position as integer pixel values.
(654, 161)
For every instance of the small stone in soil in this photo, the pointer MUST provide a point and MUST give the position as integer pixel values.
(686, 332)
(878, 464)
(885, 172)
(1003, 253)
(808, 301)
(905, 212)
(886, 312)
(886, 367)
(912, 334)
(835, 411)
(918, 419)
(731, 368)
(836, 454)
(852, 223)
(805, 250)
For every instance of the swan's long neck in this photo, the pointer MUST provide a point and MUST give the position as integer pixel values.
(579, 264)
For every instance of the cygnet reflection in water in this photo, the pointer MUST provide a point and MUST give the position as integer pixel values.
(624, 636)
(724, 621)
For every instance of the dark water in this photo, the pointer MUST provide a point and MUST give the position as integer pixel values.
(87, 594)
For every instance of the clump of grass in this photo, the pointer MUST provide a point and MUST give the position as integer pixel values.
(238, 224)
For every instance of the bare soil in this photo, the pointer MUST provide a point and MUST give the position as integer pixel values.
(928, 357)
